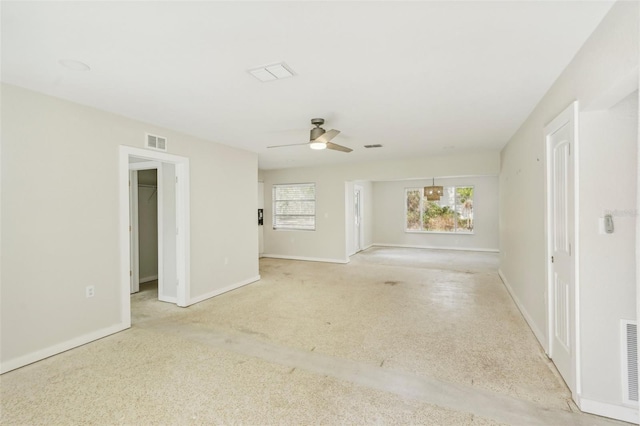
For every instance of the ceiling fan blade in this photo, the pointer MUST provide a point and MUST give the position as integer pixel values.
(336, 147)
(291, 144)
(327, 136)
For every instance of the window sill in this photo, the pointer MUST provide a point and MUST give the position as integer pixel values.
(438, 232)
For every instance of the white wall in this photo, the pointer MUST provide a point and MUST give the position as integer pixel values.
(63, 217)
(607, 261)
(389, 205)
(329, 241)
(606, 67)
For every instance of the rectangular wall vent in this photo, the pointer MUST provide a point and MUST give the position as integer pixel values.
(156, 142)
(377, 145)
(629, 362)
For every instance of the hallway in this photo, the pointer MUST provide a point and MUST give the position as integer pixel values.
(396, 336)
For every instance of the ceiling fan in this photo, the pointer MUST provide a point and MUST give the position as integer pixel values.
(320, 138)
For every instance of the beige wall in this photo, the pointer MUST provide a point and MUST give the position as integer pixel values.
(389, 207)
(330, 240)
(605, 69)
(60, 219)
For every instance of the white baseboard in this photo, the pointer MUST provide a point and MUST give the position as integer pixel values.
(41, 354)
(618, 412)
(361, 250)
(219, 291)
(542, 338)
(490, 250)
(149, 278)
(307, 259)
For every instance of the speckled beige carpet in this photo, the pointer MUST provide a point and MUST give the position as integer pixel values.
(397, 336)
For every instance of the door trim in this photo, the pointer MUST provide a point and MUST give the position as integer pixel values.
(567, 117)
(182, 219)
(134, 262)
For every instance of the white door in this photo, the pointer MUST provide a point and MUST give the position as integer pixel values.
(561, 233)
(357, 210)
(168, 233)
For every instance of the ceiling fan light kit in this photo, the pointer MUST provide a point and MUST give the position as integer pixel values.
(317, 145)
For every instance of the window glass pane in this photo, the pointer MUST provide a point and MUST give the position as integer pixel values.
(452, 213)
(413, 199)
(306, 223)
(464, 208)
(295, 192)
(294, 206)
(440, 215)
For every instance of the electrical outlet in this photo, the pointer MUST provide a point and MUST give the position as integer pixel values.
(90, 291)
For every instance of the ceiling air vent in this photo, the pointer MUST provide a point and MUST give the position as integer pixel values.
(373, 146)
(156, 142)
(272, 72)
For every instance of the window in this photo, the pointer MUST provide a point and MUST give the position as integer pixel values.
(452, 213)
(294, 206)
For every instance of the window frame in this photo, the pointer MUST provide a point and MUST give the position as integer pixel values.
(422, 211)
(275, 215)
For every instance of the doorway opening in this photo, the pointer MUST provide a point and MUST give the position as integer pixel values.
(170, 195)
(152, 251)
(147, 226)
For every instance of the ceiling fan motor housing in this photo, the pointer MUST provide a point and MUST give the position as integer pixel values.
(316, 133)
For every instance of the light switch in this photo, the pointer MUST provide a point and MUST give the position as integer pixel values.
(605, 225)
(608, 224)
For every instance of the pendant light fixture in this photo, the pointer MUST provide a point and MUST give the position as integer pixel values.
(433, 192)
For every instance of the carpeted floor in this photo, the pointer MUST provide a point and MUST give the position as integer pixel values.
(397, 336)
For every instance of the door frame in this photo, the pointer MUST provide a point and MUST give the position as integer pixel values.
(182, 220)
(567, 117)
(134, 262)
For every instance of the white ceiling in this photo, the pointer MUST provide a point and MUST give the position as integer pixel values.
(421, 78)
